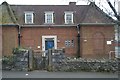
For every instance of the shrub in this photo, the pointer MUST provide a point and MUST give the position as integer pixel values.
(7, 60)
(18, 50)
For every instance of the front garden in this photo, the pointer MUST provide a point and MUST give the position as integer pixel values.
(19, 61)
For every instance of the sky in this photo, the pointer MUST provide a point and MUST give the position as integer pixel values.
(43, 2)
(53, 2)
(100, 3)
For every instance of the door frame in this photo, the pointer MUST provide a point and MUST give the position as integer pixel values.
(47, 37)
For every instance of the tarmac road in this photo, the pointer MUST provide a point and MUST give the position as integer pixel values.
(45, 74)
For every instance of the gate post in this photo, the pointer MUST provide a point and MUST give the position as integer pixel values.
(30, 59)
(50, 60)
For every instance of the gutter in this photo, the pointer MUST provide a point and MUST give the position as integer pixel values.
(98, 24)
(19, 36)
(78, 39)
(12, 25)
(72, 25)
(49, 25)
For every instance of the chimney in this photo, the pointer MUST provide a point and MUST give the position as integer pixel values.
(119, 7)
(72, 3)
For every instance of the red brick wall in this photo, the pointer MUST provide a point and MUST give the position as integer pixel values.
(0, 41)
(96, 44)
(33, 37)
(93, 47)
(9, 39)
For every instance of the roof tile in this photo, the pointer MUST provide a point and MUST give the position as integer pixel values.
(82, 13)
(7, 16)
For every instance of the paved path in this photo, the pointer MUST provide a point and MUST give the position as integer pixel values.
(45, 74)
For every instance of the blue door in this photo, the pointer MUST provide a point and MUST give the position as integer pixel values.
(49, 44)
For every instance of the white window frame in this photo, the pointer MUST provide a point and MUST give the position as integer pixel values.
(49, 13)
(65, 17)
(29, 13)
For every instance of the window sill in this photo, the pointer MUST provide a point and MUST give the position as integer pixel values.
(68, 23)
(49, 23)
(28, 23)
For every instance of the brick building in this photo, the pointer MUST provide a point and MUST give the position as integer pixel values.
(8, 29)
(56, 26)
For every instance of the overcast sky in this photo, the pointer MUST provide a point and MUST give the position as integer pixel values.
(52, 2)
(44, 2)
(100, 3)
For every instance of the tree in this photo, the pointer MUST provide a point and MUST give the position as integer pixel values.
(114, 10)
(117, 29)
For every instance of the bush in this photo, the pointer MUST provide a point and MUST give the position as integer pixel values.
(49, 68)
(18, 50)
(7, 60)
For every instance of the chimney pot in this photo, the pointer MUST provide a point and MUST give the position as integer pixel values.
(72, 3)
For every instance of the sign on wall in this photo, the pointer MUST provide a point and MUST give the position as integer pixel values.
(109, 42)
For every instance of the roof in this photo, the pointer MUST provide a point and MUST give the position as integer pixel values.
(82, 13)
(95, 15)
(6, 15)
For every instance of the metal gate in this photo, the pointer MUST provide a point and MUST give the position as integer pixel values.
(52, 58)
(40, 62)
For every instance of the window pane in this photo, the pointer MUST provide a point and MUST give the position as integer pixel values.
(29, 18)
(72, 43)
(49, 17)
(66, 43)
(69, 18)
(69, 43)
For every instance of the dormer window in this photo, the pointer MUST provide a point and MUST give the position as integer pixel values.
(68, 17)
(28, 17)
(49, 17)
